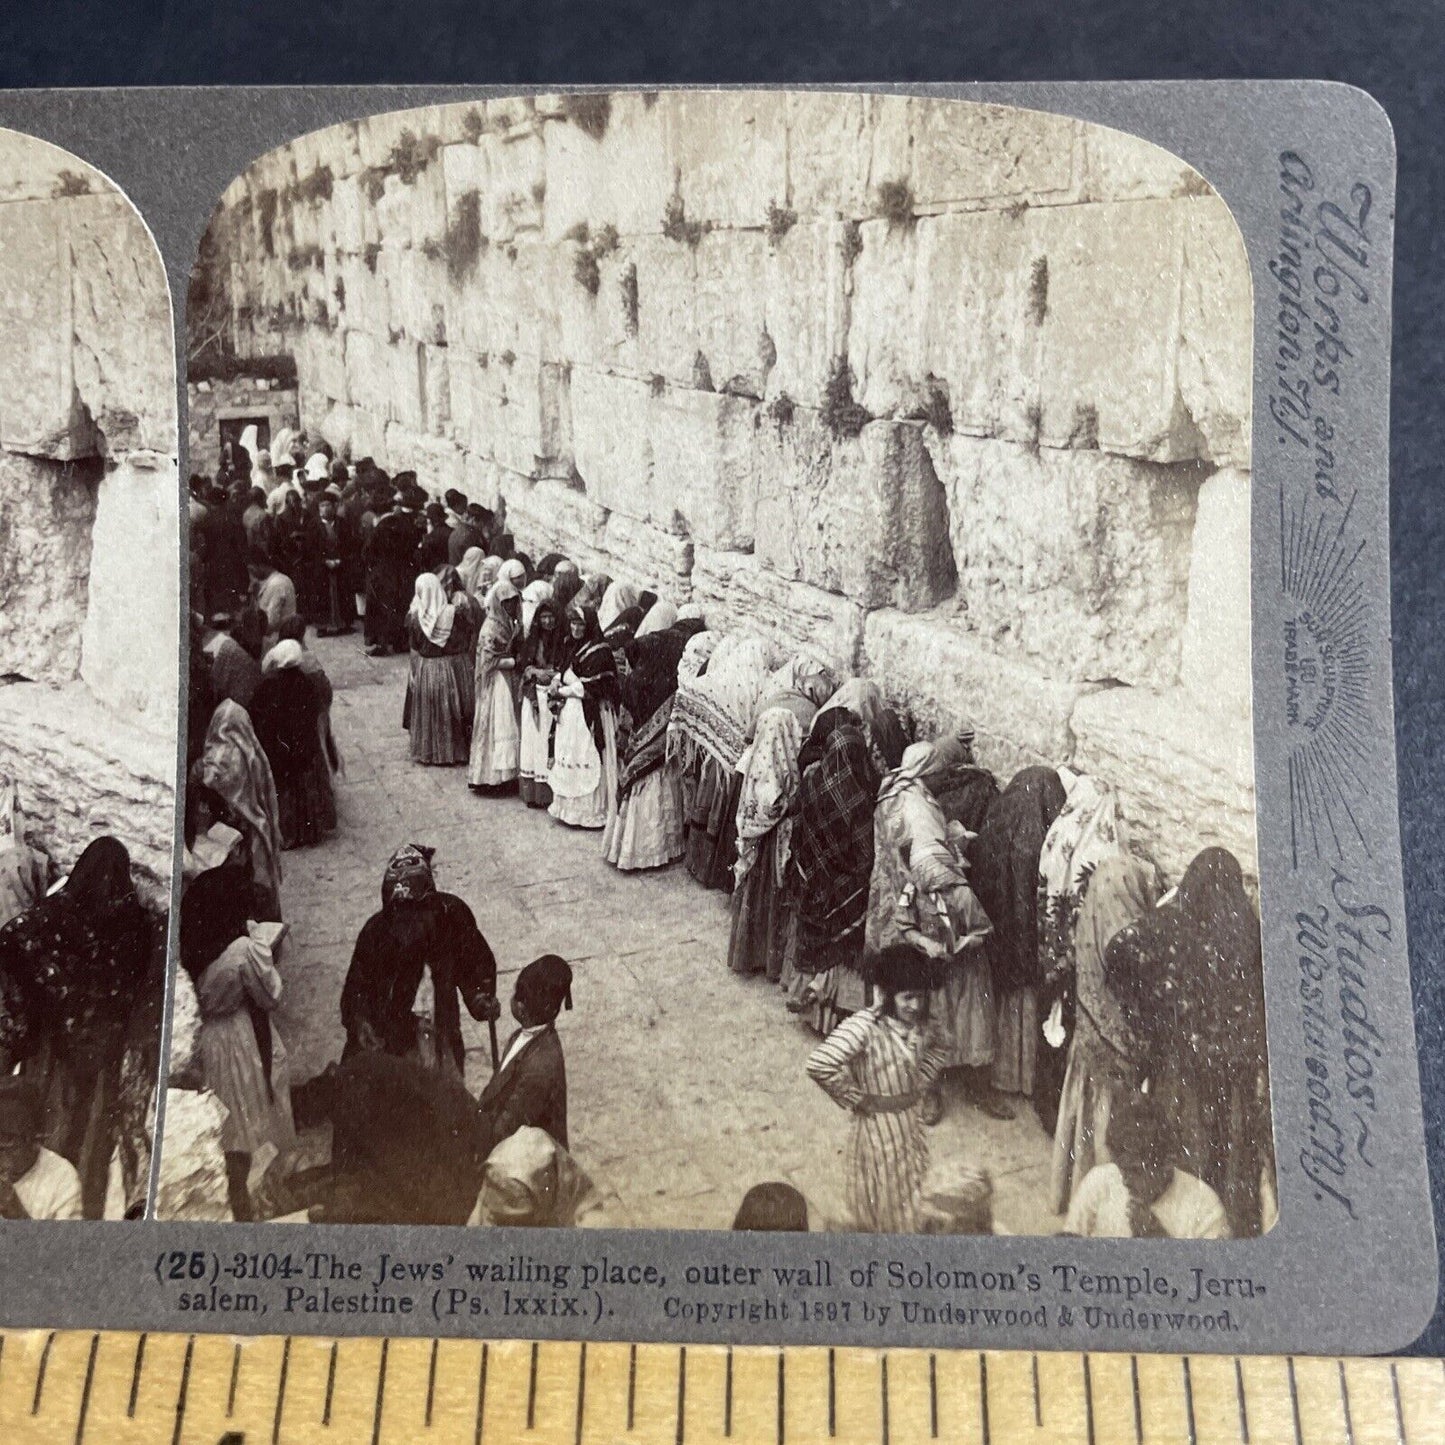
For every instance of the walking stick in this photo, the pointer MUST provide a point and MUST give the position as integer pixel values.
(496, 1057)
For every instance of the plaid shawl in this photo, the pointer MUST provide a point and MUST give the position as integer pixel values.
(833, 838)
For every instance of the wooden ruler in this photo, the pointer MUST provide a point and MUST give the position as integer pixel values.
(112, 1389)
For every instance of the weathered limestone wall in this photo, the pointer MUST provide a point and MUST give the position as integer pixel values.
(958, 393)
(89, 534)
(210, 402)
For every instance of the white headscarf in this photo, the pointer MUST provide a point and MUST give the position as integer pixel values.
(288, 653)
(615, 601)
(661, 615)
(250, 442)
(533, 595)
(434, 614)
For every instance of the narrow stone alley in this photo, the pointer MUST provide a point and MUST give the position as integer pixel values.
(686, 1083)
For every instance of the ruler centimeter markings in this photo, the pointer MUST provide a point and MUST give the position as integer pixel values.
(119, 1388)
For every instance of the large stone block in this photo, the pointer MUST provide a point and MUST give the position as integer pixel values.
(473, 394)
(806, 310)
(867, 518)
(550, 516)
(890, 295)
(192, 1183)
(738, 594)
(320, 365)
(596, 328)
(367, 372)
(416, 291)
(729, 153)
(404, 378)
(828, 153)
(436, 390)
(85, 770)
(941, 676)
(1076, 558)
(729, 310)
(1215, 662)
(35, 170)
(1185, 774)
(185, 1031)
(527, 421)
(964, 152)
(705, 466)
(523, 283)
(436, 461)
(640, 553)
(47, 516)
(131, 639)
(517, 163)
(666, 328)
(1121, 167)
(1216, 359)
(611, 441)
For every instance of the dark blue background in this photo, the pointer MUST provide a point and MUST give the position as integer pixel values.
(1394, 49)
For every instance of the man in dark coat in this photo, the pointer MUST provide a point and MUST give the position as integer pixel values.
(391, 574)
(468, 533)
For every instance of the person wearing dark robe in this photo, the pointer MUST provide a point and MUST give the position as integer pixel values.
(432, 551)
(1189, 977)
(70, 969)
(256, 521)
(1004, 874)
(546, 651)
(340, 609)
(287, 709)
(469, 532)
(529, 1087)
(583, 778)
(233, 673)
(227, 578)
(419, 932)
(390, 577)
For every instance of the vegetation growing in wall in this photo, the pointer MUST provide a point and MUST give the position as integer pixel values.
(934, 408)
(266, 201)
(69, 184)
(474, 125)
(630, 304)
(508, 357)
(842, 414)
(339, 291)
(852, 242)
(586, 267)
(781, 220)
(1034, 425)
(432, 249)
(589, 113)
(586, 272)
(369, 254)
(677, 227)
(1039, 290)
(657, 383)
(782, 409)
(896, 203)
(298, 258)
(702, 373)
(316, 187)
(464, 240)
(1085, 433)
(578, 233)
(411, 155)
(767, 350)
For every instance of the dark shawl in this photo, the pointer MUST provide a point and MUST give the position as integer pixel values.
(596, 669)
(967, 796)
(647, 692)
(565, 587)
(285, 711)
(824, 726)
(1004, 873)
(832, 859)
(394, 948)
(542, 649)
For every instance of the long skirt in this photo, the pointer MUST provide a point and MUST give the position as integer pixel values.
(1092, 1080)
(762, 913)
(647, 831)
(886, 1160)
(496, 733)
(712, 828)
(1016, 1042)
(306, 805)
(597, 808)
(231, 1064)
(822, 1000)
(535, 752)
(438, 709)
(964, 1005)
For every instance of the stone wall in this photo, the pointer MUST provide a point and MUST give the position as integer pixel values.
(211, 401)
(89, 549)
(958, 393)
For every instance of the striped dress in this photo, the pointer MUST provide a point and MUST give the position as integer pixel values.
(871, 1055)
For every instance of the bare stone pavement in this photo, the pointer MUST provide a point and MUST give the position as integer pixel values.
(686, 1083)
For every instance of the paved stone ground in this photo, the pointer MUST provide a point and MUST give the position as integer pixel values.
(685, 1081)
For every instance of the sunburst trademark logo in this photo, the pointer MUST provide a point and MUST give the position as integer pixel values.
(1325, 674)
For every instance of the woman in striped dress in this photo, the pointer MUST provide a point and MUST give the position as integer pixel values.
(878, 1064)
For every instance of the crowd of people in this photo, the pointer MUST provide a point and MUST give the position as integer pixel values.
(925, 919)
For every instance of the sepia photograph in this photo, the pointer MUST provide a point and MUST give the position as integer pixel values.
(90, 642)
(719, 687)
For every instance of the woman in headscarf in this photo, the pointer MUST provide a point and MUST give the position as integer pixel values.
(478, 572)
(545, 653)
(658, 618)
(647, 831)
(440, 697)
(1189, 976)
(234, 766)
(71, 966)
(801, 685)
(879, 1065)
(548, 565)
(832, 867)
(1104, 1055)
(920, 894)
(1086, 832)
(766, 804)
(566, 584)
(881, 729)
(583, 778)
(242, 1058)
(618, 598)
(287, 711)
(421, 935)
(696, 655)
(712, 723)
(294, 630)
(496, 730)
(514, 573)
(530, 1180)
(535, 592)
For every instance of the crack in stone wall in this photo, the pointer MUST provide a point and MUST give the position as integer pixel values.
(938, 388)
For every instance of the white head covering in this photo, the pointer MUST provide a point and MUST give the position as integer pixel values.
(276, 498)
(318, 469)
(281, 446)
(690, 612)
(661, 615)
(615, 601)
(533, 595)
(250, 442)
(285, 654)
(434, 614)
